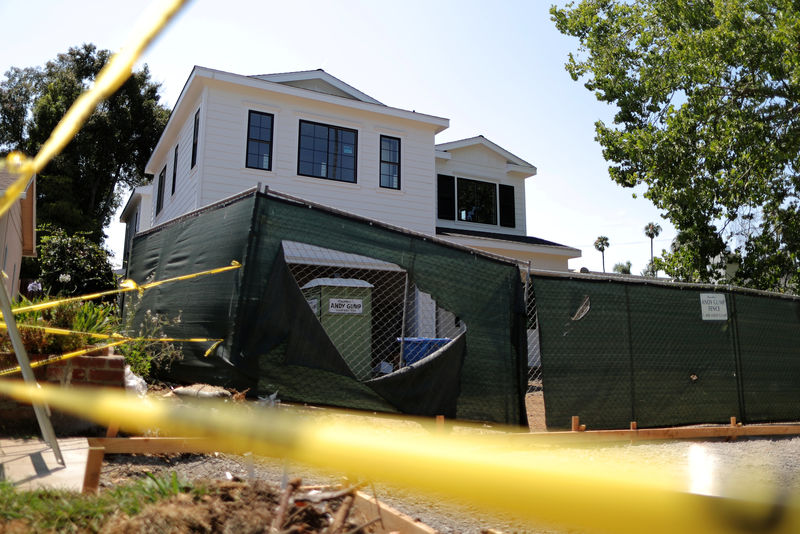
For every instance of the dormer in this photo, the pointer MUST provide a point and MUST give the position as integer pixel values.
(481, 187)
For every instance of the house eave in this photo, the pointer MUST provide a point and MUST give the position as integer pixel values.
(200, 76)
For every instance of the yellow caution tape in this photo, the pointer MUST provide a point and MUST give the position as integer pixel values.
(125, 286)
(108, 80)
(62, 357)
(545, 486)
(119, 339)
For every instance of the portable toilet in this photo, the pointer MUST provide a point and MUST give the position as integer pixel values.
(344, 308)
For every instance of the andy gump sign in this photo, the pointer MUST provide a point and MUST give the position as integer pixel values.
(348, 306)
(713, 307)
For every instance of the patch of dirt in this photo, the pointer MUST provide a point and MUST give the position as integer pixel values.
(534, 405)
(245, 508)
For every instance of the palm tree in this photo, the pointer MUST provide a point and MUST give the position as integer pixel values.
(601, 244)
(652, 230)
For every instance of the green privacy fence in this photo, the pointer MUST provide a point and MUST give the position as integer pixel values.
(615, 351)
(278, 339)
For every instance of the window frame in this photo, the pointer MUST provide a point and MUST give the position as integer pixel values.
(271, 116)
(195, 138)
(162, 176)
(330, 127)
(174, 168)
(382, 161)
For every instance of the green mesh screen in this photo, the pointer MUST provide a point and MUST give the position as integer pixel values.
(487, 378)
(614, 352)
(769, 341)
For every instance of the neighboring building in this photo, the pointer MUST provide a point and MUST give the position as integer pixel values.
(310, 135)
(17, 232)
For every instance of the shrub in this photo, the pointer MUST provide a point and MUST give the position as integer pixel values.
(73, 265)
(146, 353)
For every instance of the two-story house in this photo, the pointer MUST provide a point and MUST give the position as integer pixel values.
(310, 135)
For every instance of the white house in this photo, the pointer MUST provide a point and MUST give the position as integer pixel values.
(310, 135)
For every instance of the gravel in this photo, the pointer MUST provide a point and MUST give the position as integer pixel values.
(774, 462)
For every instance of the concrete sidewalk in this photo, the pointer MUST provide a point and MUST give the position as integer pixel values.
(31, 464)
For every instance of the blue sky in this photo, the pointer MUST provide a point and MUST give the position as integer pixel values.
(496, 71)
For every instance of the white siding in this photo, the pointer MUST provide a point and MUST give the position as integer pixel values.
(224, 150)
(186, 194)
(479, 163)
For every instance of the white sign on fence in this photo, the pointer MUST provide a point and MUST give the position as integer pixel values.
(350, 306)
(713, 307)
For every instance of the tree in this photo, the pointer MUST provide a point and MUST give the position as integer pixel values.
(601, 244)
(652, 230)
(707, 96)
(622, 268)
(80, 189)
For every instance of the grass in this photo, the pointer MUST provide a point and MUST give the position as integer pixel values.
(48, 510)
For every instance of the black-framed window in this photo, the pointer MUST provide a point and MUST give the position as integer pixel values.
(174, 168)
(390, 162)
(327, 152)
(477, 201)
(259, 140)
(162, 176)
(195, 135)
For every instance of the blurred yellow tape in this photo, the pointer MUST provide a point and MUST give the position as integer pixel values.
(127, 286)
(108, 80)
(545, 486)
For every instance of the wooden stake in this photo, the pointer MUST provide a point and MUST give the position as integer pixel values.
(634, 425)
(576, 423)
(440, 424)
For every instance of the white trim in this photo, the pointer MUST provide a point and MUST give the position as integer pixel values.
(516, 164)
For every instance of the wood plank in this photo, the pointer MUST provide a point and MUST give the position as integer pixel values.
(393, 520)
(94, 463)
(655, 434)
(153, 445)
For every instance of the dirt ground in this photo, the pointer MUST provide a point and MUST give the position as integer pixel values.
(244, 508)
(534, 404)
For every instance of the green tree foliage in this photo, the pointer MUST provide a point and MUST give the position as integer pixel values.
(708, 119)
(622, 268)
(81, 188)
(601, 244)
(73, 265)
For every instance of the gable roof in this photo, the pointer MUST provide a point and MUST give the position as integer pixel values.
(516, 162)
(316, 85)
(6, 179)
(320, 81)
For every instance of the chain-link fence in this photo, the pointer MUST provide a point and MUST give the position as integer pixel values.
(376, 317)
(532, 328)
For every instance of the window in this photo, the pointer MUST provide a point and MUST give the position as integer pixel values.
(327, 152)
(174, 168)
(390, 162)
(160, 193)
(477, 201)
(195, 135)
(259, 141)
(447, 197)
(508, 216)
